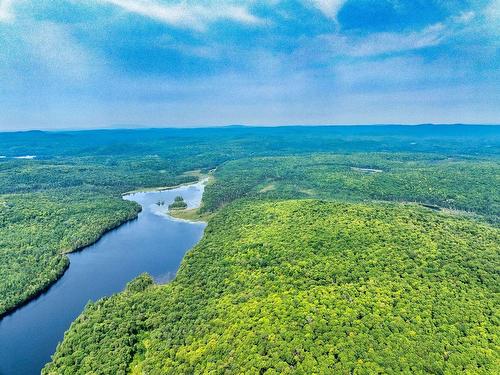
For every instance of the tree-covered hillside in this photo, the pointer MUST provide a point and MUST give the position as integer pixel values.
(49, 208)
(36, 229)
(459, 183)
(306, 286)
(82, 174)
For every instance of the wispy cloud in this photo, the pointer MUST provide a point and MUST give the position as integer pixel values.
(6, 12)
(464, 17)
(492, 12)
(187, 14)
(394, 73)
(54, 46)
(385, 43)
(330, 8)
(49, 56)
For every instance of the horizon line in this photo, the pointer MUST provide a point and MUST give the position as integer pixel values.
(151, 127)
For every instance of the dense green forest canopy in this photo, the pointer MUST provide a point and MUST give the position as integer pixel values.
(36, 229)
(459, 183)
(439, 292)
(178, 204)
(305, 286)
(451, 166)
(54, 206)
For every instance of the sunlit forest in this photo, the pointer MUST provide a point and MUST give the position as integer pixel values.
(303, 285)
(340, 249)
(436, 180)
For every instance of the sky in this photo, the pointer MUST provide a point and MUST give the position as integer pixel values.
(102, 63)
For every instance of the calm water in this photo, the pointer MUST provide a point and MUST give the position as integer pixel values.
(154, 243)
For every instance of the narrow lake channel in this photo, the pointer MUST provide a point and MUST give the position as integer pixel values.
(153, 243)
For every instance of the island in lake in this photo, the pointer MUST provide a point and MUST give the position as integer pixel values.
(178, 204)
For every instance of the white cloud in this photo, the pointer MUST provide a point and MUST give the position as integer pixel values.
(6, 12)
(330, 8)
(492, 13)
(394, 73)
(464, 17)
(384, 43)
(493, 9)
(187, 14)
(53, 48)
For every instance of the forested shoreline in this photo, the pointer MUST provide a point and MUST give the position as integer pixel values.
(39, 229)
(70, 194)
(299, 286)
(49, 208)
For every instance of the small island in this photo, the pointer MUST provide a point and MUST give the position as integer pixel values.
(178, 204)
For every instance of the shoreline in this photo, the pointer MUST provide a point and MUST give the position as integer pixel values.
(36, 294)
(196, 218)
(201, 178)
(158, 189)
(45, 288)
(189, 215)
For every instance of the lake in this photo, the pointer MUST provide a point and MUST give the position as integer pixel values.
(153, 243)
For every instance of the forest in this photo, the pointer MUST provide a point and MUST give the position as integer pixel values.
(306, 286)
(178, 204)
(455, 183)
(319, 251)
(50, 208)
(37, 229)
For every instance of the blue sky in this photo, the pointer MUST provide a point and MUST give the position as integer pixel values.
(99, 63)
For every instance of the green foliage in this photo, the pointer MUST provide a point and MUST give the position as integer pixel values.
(458, 183)
(36, 229)
(305, 286)
(140, 283)
(88, 174)
(51, 207)
(210, 147)
(178, 204)
(274, 287)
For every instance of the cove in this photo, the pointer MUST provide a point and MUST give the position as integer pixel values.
(153, 243)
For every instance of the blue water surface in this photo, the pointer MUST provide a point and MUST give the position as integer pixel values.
(153, 243)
